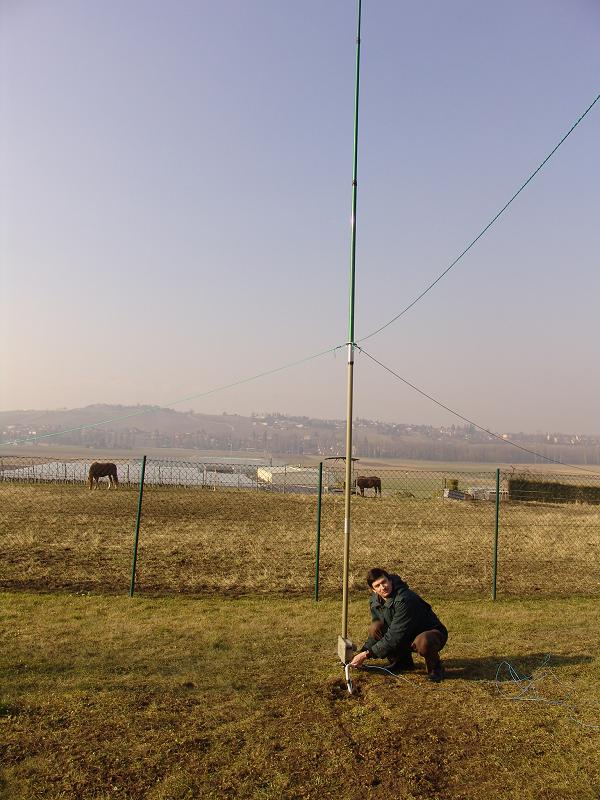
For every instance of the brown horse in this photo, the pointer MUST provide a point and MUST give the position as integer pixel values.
(373, 482)
(98, 470)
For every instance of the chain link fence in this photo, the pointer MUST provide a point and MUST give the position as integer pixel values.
(235, 528)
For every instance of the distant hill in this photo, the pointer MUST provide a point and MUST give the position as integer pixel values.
(152, 427)
(141, 418)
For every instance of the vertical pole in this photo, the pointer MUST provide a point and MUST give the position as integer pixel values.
(351, 345)
(495, 555)
(318, 544)
(137, 528)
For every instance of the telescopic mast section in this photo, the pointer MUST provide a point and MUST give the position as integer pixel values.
(344, 646)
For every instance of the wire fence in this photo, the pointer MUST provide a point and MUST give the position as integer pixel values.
(206, 527)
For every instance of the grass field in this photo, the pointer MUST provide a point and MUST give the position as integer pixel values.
(220, 679)
(194, 541)
(173, 698)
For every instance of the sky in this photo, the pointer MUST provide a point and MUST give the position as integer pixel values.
(176, 193)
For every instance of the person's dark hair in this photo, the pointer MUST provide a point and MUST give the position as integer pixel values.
(375, 574)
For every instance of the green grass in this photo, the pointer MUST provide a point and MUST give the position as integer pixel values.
(165, 699)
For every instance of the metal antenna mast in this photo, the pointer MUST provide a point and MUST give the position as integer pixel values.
(344, 645)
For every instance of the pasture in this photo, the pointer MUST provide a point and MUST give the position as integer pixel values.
(220, 677)
(182, 698)
(196, 541)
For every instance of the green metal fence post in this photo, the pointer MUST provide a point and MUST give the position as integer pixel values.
(137, 528)
(495, 555)
(318, 544)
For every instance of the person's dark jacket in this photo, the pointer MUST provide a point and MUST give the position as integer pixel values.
(404, 614)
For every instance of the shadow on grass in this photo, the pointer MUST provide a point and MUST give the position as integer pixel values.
(485, 667)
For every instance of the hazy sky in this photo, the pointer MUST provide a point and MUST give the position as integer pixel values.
(175, 202)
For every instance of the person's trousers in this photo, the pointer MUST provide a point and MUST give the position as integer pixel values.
(426, 644)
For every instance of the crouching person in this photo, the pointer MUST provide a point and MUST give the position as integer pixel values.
(402, 623)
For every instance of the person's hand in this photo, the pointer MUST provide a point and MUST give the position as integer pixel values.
(359, 659)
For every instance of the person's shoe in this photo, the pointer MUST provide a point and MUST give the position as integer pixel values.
(404, 665)
(437, 674)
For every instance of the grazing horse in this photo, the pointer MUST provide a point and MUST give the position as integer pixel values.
(373, 482)
(98, 470)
